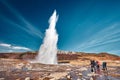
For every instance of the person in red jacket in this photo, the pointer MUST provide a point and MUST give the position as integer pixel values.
(97, 66)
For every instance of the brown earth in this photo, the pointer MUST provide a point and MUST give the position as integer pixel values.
(16, 66)
(65, 57)
(76, 58)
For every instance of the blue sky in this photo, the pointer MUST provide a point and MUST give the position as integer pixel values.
(83, 25)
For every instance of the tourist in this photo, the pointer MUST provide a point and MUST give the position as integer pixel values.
(104, 65)
(98, 66)
(92, 63)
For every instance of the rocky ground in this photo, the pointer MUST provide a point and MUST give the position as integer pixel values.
(17, 69)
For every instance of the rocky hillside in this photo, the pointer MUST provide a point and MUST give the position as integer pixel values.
(63, 55)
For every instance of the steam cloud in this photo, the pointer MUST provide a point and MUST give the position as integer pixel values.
(48, 50)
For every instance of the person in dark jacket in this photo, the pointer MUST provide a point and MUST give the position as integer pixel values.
(92, 63)
(104, 66)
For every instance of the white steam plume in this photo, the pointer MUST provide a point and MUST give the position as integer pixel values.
(48, 50)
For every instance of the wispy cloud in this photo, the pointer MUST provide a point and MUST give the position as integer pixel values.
(26, 26)
(115, 51)
(11, 48)
(103, 37)
(18, 26)
(19, 47)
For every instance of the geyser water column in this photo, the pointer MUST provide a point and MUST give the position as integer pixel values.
(48, 50)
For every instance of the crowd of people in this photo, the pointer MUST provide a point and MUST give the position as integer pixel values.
(95, 66)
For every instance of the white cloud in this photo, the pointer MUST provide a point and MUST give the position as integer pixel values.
(19, 47)
(5, 45)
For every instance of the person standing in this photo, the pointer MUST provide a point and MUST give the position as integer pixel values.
(98, 66)
(92, 63)
(104, 66)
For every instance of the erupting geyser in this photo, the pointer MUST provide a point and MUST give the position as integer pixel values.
(48, 50)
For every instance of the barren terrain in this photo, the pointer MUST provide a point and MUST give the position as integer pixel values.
(72, 66)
